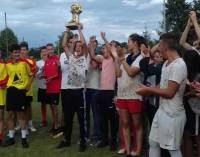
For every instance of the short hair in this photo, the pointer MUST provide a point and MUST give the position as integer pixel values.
(14, 47)
(143, 41)
(124, 45)
(49, 44)
(42, 48)
(116, 42)
(170, 40)
(24, 44)
(139, 39)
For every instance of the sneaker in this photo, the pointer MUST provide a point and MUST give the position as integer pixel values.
(17, 128)
(57, 133)
(9, 142)
(94, 143)
(0, 142)
(32, 129)
(51, 130)
(63, 144)
(15, 133)
(121, 151)
(82, 147)
(133, 153)
(25, 143)
(102, 144)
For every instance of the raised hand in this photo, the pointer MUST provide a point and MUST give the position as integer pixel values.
(113, 50)
(189, 23)
(193, 16)
(103, 35)
(91, 47)
(80, 26)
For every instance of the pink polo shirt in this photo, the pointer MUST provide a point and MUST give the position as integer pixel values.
(51, 70)
(108, 77)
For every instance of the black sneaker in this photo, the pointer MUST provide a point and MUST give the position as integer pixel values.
(51, 130)
(63, 144)
(102, 144)
(25, 143)
(9, 142)
(0, 142)
(82, 147)
(57, 133)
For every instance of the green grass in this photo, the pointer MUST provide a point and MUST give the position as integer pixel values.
(43, 145)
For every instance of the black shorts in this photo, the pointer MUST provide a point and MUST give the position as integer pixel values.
(15, 99)
(53, 98)
(28, 100)
(42, 96)
(2, 107)
(191, 120)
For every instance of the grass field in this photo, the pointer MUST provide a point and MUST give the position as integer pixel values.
(43, 145)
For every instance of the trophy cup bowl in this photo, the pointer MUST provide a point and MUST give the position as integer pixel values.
(76, 10)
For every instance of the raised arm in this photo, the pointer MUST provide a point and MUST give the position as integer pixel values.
(82, 39)
(103, 36)
(118, 71)
(65, 42)
(91, 49)
(183, 40)
(193, 18)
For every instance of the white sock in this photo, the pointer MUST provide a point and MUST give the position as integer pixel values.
(24, 133)
(30, 123)
(11, 133)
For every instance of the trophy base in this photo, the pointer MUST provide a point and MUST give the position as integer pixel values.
(72, 26)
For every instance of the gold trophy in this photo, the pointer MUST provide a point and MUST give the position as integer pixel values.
(76, 10)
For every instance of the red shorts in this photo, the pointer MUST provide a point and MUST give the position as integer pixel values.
(132, 106)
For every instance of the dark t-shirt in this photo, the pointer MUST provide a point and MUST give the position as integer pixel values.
(151, 74)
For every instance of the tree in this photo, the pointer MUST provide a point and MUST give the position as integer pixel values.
(176, 15)
(196, 7)
(146, 34)
(7, 35)
(58, 43)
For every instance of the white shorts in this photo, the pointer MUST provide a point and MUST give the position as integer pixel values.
(168, 131)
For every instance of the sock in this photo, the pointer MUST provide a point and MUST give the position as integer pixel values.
(11, 133)
(30, 123)
(44, 113)
(24, 133)
(1, 136)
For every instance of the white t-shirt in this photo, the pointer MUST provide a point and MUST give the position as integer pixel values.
(177, 72)
(40, 81)
(64, 63)
(77, 72)
(93, 76)
(127, 85)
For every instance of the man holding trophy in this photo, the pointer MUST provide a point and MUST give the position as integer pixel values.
(73, 67)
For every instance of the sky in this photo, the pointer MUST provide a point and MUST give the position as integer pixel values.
(41, 21)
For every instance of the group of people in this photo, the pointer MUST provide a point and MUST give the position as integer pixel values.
(123, 86)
